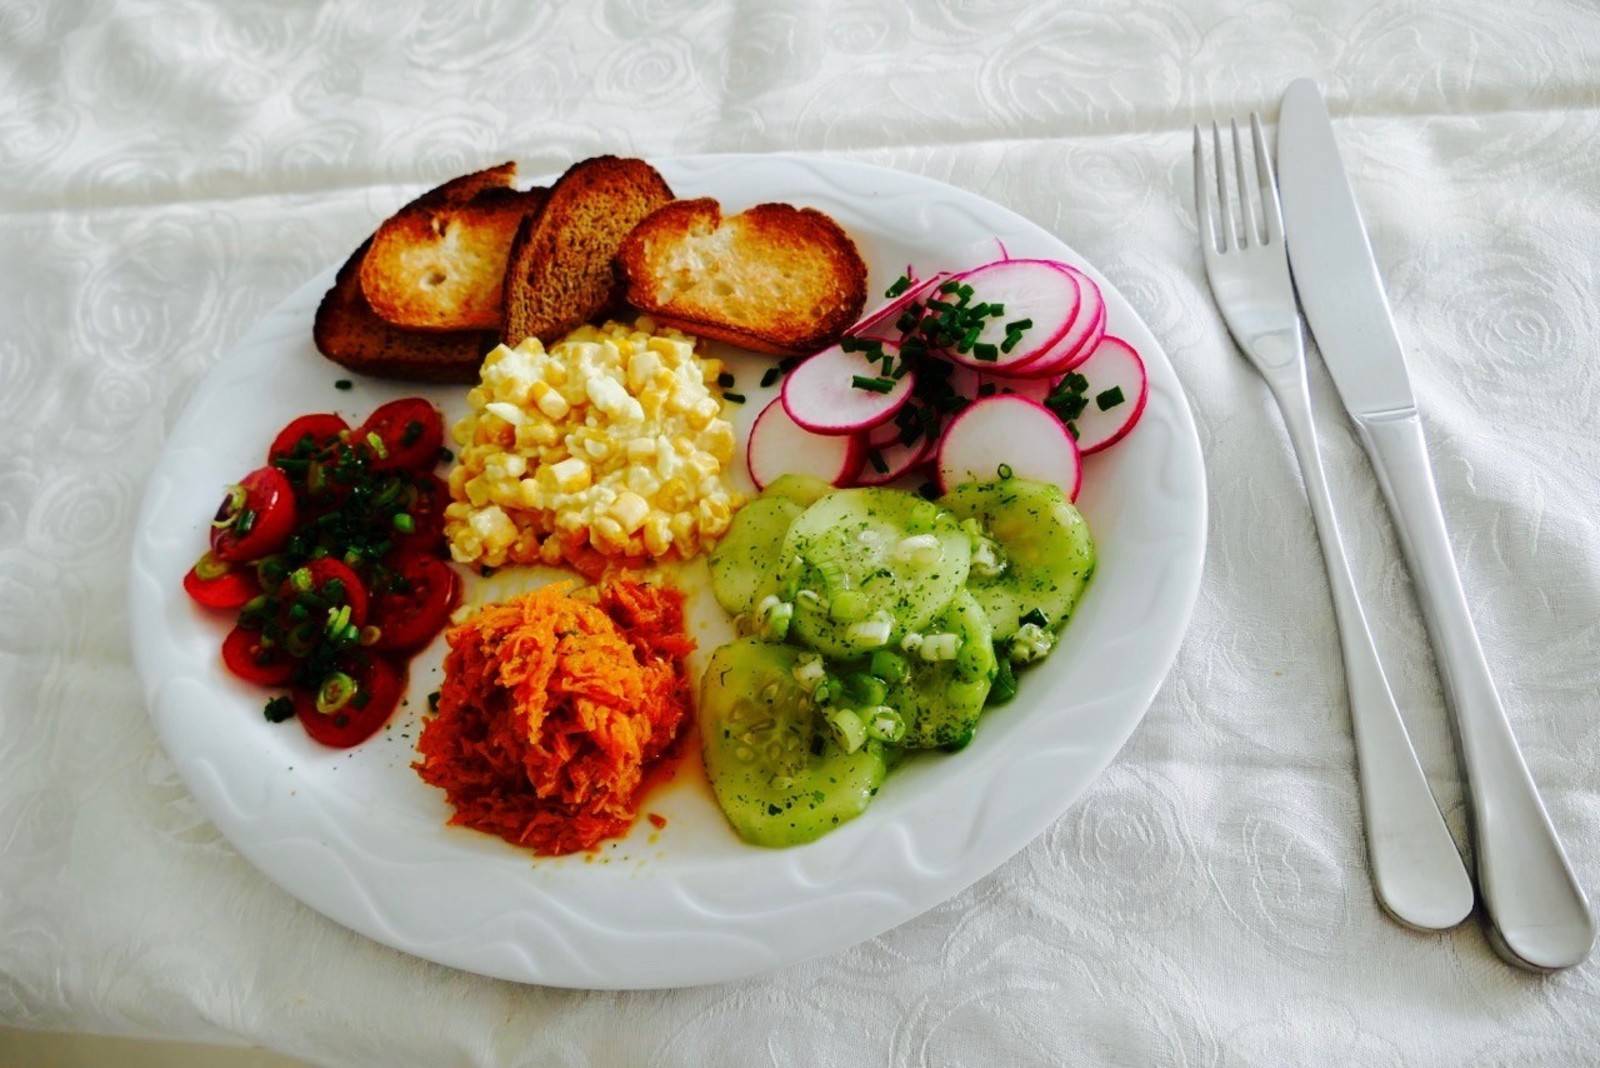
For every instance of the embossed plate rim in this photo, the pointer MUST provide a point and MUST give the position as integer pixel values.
(735, 911)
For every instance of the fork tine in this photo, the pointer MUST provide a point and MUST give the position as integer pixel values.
(1229, 239)
(1202, 196)
(1247, 205)
(1271, 213)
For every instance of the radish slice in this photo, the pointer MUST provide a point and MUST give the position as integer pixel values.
(974, 386)
(897, 459)
(1007, 433)
(819, 396)
(882, 434)
(1114, 364)
(1029, 289)
(777, 446)
(879, 323)
(1075, 346)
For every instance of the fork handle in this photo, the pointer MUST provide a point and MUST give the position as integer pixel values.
(1416, 871)
(1538, 912)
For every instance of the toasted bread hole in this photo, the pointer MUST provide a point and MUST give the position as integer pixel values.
(439, 225)
(434, 277)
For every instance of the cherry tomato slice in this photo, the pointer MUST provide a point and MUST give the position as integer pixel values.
(408, 619)
(243, 655)
(258, 524)
(231, 589)
(324, 571)
(427, 518)
(412, 433)
(322, 427)
(379, 685)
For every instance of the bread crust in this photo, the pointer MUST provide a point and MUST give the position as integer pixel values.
(559, 271)
(347, 331)
(773, 278)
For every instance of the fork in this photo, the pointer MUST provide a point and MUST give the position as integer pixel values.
(1417, 875)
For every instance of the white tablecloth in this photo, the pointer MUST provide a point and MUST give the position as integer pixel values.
(168, 171)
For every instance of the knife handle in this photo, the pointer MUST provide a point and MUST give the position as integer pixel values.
(1538, 912)
(1417, 873)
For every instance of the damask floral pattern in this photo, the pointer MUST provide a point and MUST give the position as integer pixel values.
(170, 169)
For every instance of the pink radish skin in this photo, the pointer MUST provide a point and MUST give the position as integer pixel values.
(819, 397)
(899, 459)
(1114, 363)
(1087, 330)
(1009, 431)
(1029, 289)
(778, 446)
(879, 323)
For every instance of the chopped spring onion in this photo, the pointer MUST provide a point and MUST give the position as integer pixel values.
(208, 567)
(875, 385)
(733, 398)
(900, 285)
(771, 375)
(404, 523)
(377, 445)
(279, 709)
(335, 692)
(1110, 398)
(343, 383)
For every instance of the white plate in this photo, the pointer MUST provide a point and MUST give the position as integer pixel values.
(357, 836)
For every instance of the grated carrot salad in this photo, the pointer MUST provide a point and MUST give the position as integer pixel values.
(552, 709)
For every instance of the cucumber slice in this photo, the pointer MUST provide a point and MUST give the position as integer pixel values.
(779, 779)
(941, 700)
(1045, 552)
(804, 490)
(745, 563)
(874, 564)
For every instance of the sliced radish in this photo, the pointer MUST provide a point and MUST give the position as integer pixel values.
(1037, 290)
(820, 397)
(880, 322)
(1011, 434)
(882, 434)
(1114, 364)
(1076, 344)
(896, 459)
(974, 386)
(778, 446)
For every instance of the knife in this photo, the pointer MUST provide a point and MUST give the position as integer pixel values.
(1538, 915)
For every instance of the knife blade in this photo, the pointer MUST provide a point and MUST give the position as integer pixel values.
(1537, 912)
(1342, 293)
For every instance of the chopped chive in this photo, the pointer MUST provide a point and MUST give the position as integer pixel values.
(969, 339)
(279, 709)
(951, 286)
(1018, 325)
(873, 385)
(343, 383)
(901, 284)
(978, 311)
(736, 398)
(964, 292)
(929, 490)
(245, 523)
(1010, 342)
(725, 380)
(788, 363)
(900, 369)
(769, 376)
(1110, 398)
(856, 344)
(986, 390)
(997, 309)
(875, 458)
(985, 352)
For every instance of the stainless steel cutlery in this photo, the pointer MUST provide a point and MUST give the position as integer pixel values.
(1538, 915)
(1416, 872)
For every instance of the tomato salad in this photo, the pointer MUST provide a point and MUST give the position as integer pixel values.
(333, 556)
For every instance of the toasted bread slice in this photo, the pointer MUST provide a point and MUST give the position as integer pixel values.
(348, 332)
(440, 261)
(560, 271)
(774, 278)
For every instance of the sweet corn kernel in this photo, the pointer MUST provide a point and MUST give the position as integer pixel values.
(630, 510)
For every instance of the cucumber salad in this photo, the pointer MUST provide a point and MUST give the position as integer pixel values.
(876, 622)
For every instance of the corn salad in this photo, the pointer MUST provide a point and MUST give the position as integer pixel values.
(614, 434)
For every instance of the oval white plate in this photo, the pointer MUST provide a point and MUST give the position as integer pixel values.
(357, 836)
